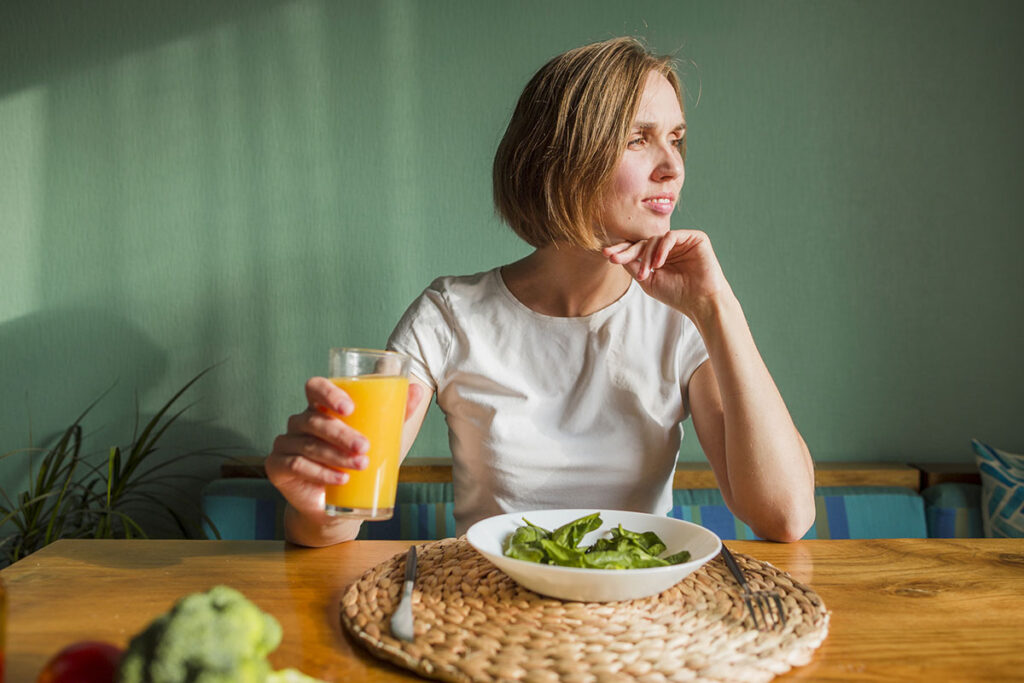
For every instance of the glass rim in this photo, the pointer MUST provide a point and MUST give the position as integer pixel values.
(368, 352)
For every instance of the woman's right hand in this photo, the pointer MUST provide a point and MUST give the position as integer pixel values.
(303, 459)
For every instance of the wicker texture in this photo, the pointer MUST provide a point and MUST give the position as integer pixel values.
(473, 623)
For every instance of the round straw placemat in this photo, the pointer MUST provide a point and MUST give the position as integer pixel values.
(474, 623)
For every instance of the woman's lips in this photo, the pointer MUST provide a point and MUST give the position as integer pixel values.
(660, 204)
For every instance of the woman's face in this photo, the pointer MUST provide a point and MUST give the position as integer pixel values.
(645, 185)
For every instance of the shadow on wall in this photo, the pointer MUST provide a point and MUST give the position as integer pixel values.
(58, 362)
(44, 40)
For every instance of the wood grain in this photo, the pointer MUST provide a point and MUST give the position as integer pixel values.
(920, 609)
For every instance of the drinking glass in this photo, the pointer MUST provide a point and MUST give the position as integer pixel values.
(378, 384)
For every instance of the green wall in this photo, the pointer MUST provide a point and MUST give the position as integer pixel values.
(250, 183)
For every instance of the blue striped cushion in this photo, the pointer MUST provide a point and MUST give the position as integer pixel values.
(253, 509)
(842, 512)
(243, 509)
(1002, 491)
(707, 508)
(953, 510)
(423, 511)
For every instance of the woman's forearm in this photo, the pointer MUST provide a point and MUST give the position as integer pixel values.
(769, 473)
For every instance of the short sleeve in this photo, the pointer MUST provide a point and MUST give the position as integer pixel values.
(424, 333)
(692, 354)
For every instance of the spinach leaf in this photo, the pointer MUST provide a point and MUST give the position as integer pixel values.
(528, 534)
(522, 551)
(572, 533)
(678, 558)
(648, 540)
(562, 555)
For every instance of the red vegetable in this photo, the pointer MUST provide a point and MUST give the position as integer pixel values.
(88, 661)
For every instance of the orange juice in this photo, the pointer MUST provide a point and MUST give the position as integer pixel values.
(379, 413)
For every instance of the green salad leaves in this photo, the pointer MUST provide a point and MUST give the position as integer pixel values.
(625, 549)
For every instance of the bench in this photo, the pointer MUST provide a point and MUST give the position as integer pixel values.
(853, 499)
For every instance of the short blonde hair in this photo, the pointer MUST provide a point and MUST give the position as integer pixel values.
(566, 136)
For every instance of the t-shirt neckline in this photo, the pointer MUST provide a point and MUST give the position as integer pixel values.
(557, 319)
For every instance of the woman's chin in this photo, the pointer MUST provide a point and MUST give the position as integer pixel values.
(639, 235)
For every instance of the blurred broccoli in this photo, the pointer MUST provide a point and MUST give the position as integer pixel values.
(211, 637)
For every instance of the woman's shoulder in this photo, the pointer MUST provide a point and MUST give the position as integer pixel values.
(446, 311)
(474, 281)
(460, 290)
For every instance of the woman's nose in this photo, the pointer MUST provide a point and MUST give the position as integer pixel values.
(670, 163)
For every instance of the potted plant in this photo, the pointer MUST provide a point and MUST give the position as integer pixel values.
(72, 495)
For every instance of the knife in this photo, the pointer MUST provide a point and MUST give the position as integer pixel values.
(401, 620)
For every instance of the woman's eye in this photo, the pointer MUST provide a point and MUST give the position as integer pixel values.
(635, 142)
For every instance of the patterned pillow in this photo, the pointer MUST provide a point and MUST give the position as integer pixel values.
(1002, 491)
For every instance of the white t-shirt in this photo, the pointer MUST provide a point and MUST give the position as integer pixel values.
(549, 412)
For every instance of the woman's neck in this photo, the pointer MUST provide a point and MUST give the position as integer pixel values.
(565, 281)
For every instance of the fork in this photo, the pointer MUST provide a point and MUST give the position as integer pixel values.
(764, 601)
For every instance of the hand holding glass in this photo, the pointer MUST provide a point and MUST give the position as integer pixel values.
(378, 384)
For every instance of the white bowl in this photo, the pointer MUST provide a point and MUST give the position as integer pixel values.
(488, 537)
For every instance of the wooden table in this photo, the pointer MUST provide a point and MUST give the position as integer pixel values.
(901, 609)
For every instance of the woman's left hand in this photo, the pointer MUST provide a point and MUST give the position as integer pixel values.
(679, 269)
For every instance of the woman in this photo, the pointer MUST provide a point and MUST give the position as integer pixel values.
(564, 376)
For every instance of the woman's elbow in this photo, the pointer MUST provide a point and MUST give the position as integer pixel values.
(787, 525)
(788, 533)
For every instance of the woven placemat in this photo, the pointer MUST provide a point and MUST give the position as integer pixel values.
(474, 623)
